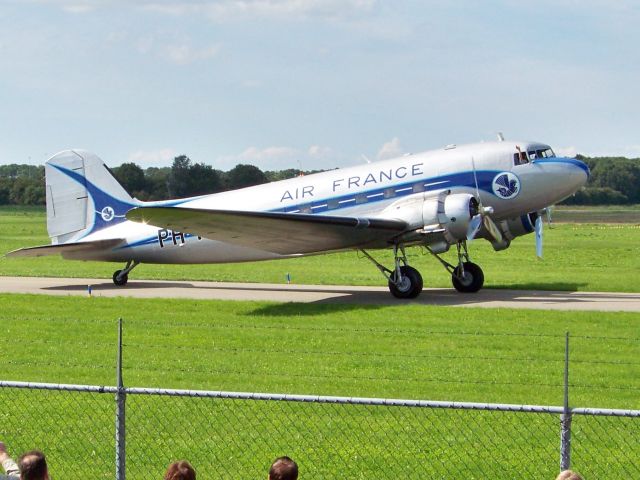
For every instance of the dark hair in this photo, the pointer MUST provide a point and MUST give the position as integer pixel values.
(283, 468)
(32, 465)
(181, 470)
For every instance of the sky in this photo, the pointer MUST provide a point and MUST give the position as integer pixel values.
(314, 84)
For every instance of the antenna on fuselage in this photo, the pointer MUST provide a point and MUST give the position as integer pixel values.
(500, 137)
(365, 158)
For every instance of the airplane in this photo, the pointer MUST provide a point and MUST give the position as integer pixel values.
(437, 199)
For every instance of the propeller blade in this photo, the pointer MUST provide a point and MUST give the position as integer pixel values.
(492, 228)
(475, 180)
(474, 227)
(538, 228)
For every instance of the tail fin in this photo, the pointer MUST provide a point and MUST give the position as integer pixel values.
(82, 196)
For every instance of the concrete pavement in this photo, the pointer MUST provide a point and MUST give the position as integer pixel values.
(551, 300)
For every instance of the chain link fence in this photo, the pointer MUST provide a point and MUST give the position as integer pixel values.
(229, 435)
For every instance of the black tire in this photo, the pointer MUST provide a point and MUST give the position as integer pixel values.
(471, 282)
(122, 281)
(411, 284)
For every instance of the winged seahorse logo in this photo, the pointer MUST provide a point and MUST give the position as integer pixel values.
(506, 185)
(107, 214)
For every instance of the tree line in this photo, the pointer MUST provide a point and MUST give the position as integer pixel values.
(614, 180)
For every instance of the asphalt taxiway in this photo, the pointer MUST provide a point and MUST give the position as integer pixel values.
(488, 298)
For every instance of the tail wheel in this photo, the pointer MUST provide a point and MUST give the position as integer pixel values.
(469, 280)
(410, 284)
(120, 280)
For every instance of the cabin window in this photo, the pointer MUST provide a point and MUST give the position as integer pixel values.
(389, 193)
(520, 158)
(333, 204)
(305, 209)
(361, 198)
(545, 153)
(418, 187)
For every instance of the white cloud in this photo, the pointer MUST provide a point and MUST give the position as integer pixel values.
(269, 158)
(179, 51)
(229, 9)
(153, 158)
(251, 84)
(391, 149)
(566, 151)
(258, 155)
(629, 151)
(632, 151)
(77, 6)
(145, 44)
(183, 54)
(280, 158)
(319, 152)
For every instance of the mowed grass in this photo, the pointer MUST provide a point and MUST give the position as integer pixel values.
(406, 351)
(577, 257)
(435, 353)
(414, 352)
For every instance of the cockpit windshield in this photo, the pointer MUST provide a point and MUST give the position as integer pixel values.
(521, 157)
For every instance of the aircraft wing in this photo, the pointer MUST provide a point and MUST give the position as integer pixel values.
(64, 248)
(283, 233)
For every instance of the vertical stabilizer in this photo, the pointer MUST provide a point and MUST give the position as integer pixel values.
(82, 196)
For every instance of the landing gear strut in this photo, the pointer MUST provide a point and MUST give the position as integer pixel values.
(120, 277)
(467, 277)
(404, 281)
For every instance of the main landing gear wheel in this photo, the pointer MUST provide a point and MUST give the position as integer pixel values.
(119, 279)
(410, 284)
(469, 280)
(404, 281)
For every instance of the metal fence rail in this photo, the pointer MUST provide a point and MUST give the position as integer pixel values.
(236, 435)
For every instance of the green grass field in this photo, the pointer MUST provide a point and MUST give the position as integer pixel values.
(404, 351)
(438, 353)
(578, 257)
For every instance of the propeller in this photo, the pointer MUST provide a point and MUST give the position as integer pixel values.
(483, 217)
(548, 210)
(538, 229)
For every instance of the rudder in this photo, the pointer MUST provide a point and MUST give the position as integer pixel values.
(82, 196)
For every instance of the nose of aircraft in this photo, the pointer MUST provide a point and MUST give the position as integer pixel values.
(579, 173)
(562, 177)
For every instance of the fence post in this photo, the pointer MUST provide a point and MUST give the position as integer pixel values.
(565, 418)
(120, 413)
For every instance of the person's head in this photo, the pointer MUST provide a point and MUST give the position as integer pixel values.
(181, 470)
(568, 475)
(283, 468)
(33, 466)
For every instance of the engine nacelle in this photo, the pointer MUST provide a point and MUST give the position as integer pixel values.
(515, 227)
(439, 213)
(518, 226)
(451, 213)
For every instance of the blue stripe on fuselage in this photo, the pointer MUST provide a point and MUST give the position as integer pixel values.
(463, 179)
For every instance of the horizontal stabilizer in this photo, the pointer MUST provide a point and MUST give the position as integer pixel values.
(66, 248)
(282, 233)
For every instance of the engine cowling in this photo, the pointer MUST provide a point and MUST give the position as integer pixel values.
(451, 213)
(440, 213)
(515, 227)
